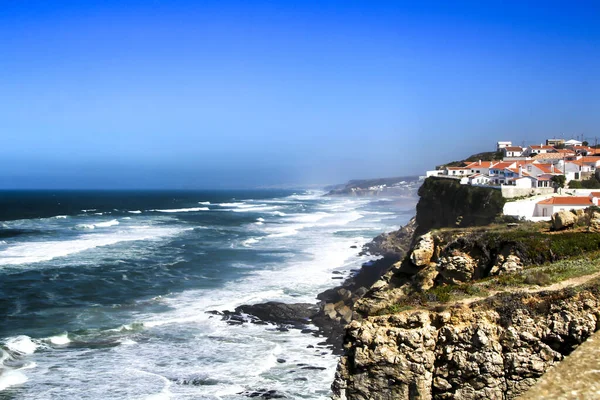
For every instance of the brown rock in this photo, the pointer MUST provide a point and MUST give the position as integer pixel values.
(563, 219)
(423, 250)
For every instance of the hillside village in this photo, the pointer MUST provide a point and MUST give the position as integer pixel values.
(538, 180)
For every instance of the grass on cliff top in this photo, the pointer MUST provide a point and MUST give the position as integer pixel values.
(539, 275)
(547, 274)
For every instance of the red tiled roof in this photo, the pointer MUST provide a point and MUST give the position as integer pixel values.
(543, 147)
(513, 148)
(565, 151)
(568, 201)
(595, 194)
(503, 165)
(484, 164)
(547, 168)
(549, 156)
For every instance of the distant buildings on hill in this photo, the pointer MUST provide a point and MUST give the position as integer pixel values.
(530, 167)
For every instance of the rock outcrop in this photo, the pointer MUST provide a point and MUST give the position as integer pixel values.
(423, 250)
(493, 349)
(563, 219)
(447, 203)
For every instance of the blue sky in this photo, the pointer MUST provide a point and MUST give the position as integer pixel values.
(197, 94)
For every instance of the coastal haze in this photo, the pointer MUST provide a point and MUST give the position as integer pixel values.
(232, 94)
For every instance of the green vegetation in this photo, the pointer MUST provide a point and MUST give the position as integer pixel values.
(447, 203)
(546, 274)
(485, 156)
(559, 180)
(548, 258)
(575, 185)
(535, 247)
(590, 183)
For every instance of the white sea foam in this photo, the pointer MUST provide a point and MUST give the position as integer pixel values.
(91, 209)
(256, 209)
(106, 224)
(204, 203)
(236, 204)
(11, 377)
(135, 212)
(126, 218)
(84, 226)
(21, 344)
(33, 252)
(60, 339)
(231, 358)
(60, 217)
(178, 210)
(250, 242)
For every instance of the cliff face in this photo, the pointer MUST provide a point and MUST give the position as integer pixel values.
(447, 203)
(475, 311)
(493, 349)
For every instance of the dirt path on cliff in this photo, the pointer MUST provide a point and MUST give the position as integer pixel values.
(580, 280)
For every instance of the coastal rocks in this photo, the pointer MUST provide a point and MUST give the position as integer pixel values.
(563, 219)
(456, 268)
(594, 225)
(423, 250)
(263, 394)
(425, 278)
(280, 313)
(493, 349)
(506, 264)
(393, 245)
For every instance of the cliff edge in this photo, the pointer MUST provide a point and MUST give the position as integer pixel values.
(476, 309)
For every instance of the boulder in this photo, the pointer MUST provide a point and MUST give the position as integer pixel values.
(425, 278)
(280, 313)
(594, 224)
(506, 265)
(457, 268)
(563, 219)
(423, 250)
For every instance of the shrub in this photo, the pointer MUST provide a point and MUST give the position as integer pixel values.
(537, 278)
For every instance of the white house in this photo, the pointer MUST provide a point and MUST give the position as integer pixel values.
(525, 182)
(538, 149)
(573, 142)
(479, 179)
(457, 171)
(513, 151)
(481, 167)
(434, 172)
(501, 145)
(546, 208)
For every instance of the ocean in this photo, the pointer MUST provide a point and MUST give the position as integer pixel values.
(104, 295)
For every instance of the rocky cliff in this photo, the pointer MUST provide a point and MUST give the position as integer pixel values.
(491, 349)
(447, 203)
(475, 309)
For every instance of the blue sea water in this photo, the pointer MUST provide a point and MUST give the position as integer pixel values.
(104, 295)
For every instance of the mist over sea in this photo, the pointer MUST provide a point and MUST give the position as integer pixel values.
(104, 295)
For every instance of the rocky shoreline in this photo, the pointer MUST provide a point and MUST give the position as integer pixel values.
(334, 310)
(460, 304)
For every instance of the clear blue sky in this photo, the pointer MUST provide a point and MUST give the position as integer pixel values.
(187, 94)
